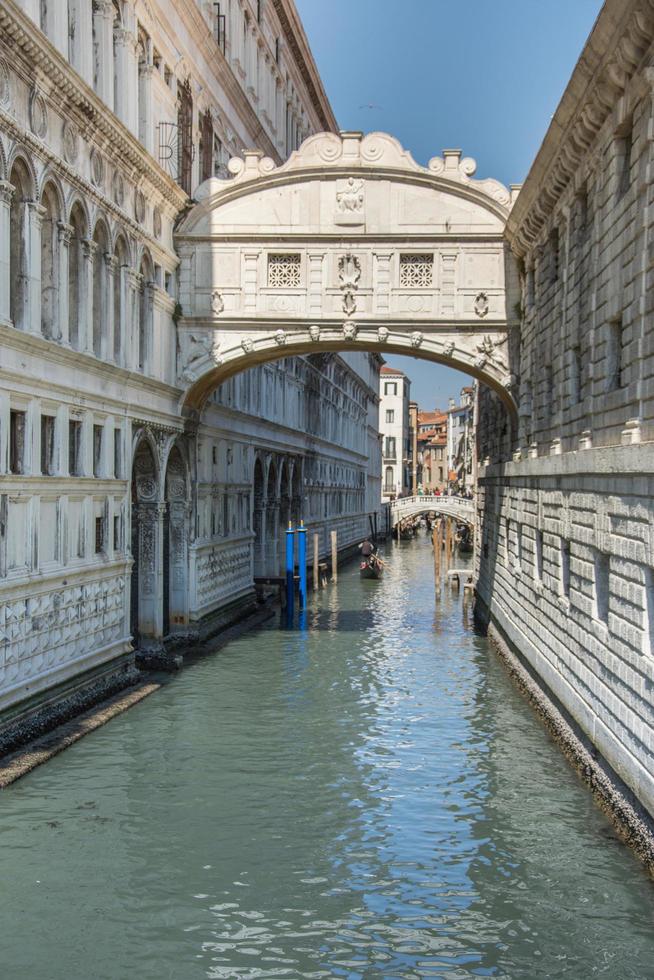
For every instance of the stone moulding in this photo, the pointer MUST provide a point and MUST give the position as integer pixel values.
(352, 153)
(618, 42)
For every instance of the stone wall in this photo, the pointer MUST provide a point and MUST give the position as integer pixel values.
(566, 520)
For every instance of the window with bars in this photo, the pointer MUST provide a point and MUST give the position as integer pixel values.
(283, 271)
(16, 441)
(206, 145)
(47, 444)
(74, 447)
(219, 27)
(97, 450)
(416, 270)
(99, 535)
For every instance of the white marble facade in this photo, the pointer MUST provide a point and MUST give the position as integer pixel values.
(566, 522)
(121, 515)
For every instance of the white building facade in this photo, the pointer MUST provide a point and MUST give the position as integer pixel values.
(395, 390)
(121, 517)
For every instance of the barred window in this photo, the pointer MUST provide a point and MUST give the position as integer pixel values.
(283, 271)
(416, 270)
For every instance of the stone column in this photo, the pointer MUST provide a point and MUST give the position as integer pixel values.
(125, 107)
(180, 516)
(315, 283)
(145, 107)
(250, 282)
(382, 283)
(119, 318)
(89, 249)
(6, 194)
(107, 339)
(131, 336)
(58, 26)
(103, 17)
(33, 219)
(259, 530)
(272, 527)
(64, 234)
(81, 15)
(150, 517)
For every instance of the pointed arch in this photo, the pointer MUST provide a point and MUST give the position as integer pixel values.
(101, 253)
(145, 321)
(77, 285)
(22, 226)
(121, 264)
(52, 205)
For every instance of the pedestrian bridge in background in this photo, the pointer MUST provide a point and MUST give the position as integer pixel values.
(457, 507)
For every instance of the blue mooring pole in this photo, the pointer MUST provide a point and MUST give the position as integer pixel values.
(290, 570)
(302, 562)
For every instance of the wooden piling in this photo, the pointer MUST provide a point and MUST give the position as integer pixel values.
(436, 541)
(316, 566)
(448, 541)
(334, 539)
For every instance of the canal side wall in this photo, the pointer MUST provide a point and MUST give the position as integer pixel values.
(566, 523)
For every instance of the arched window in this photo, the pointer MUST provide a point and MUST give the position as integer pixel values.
(145, 313)
(50, 264)
(19, 273)
(120, 256)
(100, 252)
(389, 483)
(76, 278)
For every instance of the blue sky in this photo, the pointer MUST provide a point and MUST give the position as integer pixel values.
(484, 75)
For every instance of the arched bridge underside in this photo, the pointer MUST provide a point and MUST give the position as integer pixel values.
(349, 245)
(456, 507)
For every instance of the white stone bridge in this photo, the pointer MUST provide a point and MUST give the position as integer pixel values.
(349, 245)
(457, 507)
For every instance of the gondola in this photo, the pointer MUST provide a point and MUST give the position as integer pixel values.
(371, 568)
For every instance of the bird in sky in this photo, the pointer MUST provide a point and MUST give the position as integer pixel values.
(370, 105)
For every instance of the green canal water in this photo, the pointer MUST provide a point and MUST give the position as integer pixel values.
(366, 798)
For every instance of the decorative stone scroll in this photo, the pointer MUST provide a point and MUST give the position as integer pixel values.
(38, 114)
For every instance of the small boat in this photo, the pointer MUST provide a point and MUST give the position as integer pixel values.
(371, 568)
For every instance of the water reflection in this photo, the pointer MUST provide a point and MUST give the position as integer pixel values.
(366, 797)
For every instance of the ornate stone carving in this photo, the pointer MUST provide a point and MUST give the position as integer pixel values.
(382, 335)
(349, 271)
(118, 188)
(486, 351)
(349, 201)
(280, 337)
(449, 348)
(481, 305)
(350, 330)
(199, 348)
(97, 167)
(314, 332)
(70, 142)
(5, 85)
(217, 302)
(416, 338)
(139, 207)
(417, 271)
(156, 223)
(247, 344)
(38, 114)
(284, 271)
(349, 302)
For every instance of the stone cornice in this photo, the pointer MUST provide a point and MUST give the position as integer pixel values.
(299, 46)
(91, 114)
(614, 50)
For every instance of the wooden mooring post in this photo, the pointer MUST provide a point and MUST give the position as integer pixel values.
(334, 540)
(316, 564)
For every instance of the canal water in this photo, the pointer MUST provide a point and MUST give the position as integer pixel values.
(366, 798)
